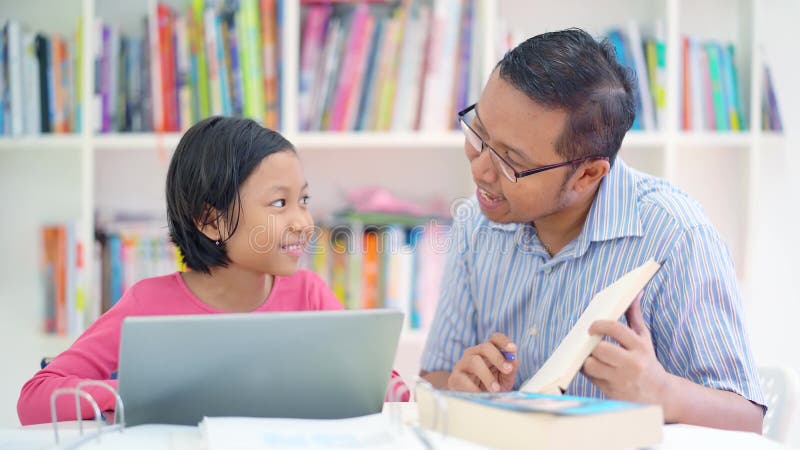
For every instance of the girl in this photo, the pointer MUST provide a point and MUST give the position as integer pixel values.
(237, 208)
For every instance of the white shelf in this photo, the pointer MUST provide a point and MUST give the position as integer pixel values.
(414, 335)
(771, 139)
(136, 141)
(377, 140)
(721, 139)
(43, 142)
(368, 140)
(643, 139)
(303, 141)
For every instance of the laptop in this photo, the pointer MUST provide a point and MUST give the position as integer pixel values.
(314, 365)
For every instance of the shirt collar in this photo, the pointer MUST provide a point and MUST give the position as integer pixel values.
(615, 211)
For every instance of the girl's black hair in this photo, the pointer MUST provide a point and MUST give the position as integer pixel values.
(211, 162)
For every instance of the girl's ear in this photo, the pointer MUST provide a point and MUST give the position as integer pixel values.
(210, 223)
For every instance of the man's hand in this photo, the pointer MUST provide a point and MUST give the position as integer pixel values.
(484, 368)
(629, 371)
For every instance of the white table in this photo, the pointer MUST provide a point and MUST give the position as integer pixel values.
(175, 437)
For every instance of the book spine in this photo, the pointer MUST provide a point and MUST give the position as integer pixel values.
(183, 76)
(214, 87)
(270, 61)
(198, 35)
(14, 70)
(720, 116)
(156, 89)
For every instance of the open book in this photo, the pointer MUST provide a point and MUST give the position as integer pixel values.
(609, 304)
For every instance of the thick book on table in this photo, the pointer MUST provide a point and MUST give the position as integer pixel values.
(524, 420)
(538, 416)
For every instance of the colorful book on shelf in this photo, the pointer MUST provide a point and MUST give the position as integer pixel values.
(523, 420)
(62, 279)
(621, 44)
(370, 270)
(198, 55)
(728, 86)
(737, 99)
(644, 93)
(387, 73)
(43, 56)
(771, 116)
(270, 16)
(365, 110)
(717, 89)
(706, 92)
(686, 105)
(311, 51)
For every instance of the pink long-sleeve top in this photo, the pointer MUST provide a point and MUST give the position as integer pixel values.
(94, 355)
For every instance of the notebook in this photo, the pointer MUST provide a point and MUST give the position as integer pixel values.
(312, 365)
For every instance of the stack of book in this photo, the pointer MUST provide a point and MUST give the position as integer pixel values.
(214, 58)
(40, 81)
(396, 66)
(383, 261)
(63, 279)
(710, 99)
(130, 251)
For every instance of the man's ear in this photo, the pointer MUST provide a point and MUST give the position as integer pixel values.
(210, 224)
(589, 174)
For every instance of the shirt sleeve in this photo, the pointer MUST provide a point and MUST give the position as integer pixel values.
(93, 356)
(454, 326)
(322, 297)
(697, 319)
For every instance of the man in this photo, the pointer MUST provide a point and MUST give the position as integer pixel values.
(556, 219)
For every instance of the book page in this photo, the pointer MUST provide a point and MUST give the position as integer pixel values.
(608, 304)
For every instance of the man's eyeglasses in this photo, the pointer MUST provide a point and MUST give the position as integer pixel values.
(468, 116)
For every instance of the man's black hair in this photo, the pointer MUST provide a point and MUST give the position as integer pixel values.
(570, 70)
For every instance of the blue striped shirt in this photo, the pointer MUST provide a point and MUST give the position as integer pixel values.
(500, 278)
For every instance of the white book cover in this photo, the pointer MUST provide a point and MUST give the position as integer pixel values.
(696, 85)
(182, 52)
(438, 99)
(410, 59)
(156, 89)
(609, 304)
(14, 71)
(636, 48)
(30, 87)
(398, 272)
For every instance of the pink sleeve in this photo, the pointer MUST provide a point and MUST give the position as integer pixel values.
(93, 356)
(397, 391)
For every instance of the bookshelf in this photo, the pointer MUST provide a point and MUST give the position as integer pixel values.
(57, 177)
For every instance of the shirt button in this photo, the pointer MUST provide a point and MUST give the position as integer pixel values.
(533, 331)
(548, 270)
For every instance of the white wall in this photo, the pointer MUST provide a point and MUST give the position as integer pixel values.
(773, 295)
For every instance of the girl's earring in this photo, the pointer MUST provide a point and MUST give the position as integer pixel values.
(217, 242)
